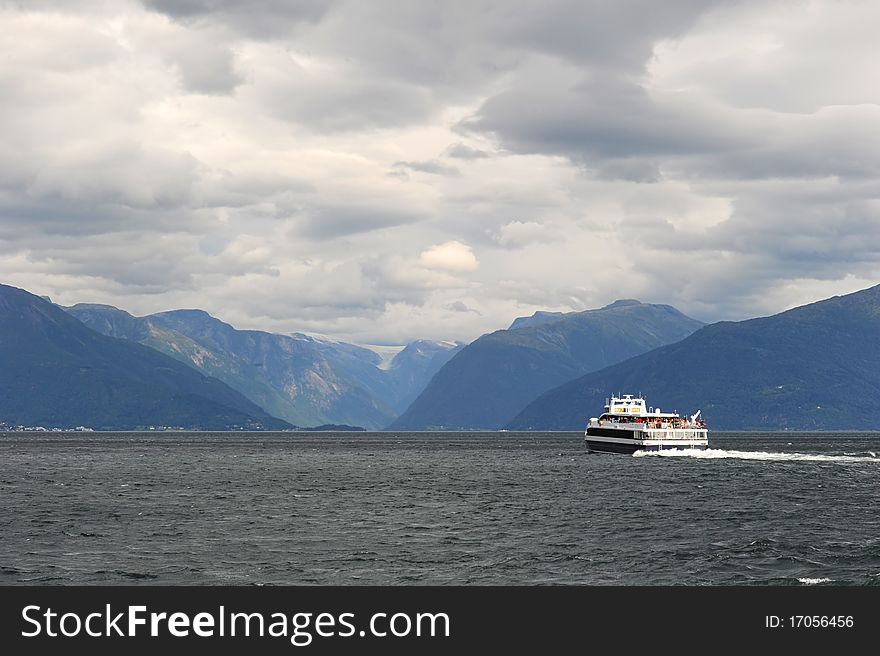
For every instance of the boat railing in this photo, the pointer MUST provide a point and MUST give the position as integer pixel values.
(675, 433)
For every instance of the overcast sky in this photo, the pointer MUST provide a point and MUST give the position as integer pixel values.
(383, 171)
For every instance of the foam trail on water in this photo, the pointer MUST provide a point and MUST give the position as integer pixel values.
(714, 454)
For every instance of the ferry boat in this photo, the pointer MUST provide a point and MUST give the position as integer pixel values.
(628, 425)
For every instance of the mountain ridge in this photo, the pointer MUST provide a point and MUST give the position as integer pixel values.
(303, 379)
(485, 384)
(59, 373)
(794, 370)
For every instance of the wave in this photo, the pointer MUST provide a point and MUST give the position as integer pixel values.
(714, 454)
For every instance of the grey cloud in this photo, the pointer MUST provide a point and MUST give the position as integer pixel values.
(618, 130)
(823, 60)
(140, 260)
(327, 222)
(444, 48)
(206, 67)
(456, 46)
(319, 296)
(520, 234)
(835, 141)
(316, 315)
(839, 231)
(152, 193)
(30, 222)
(556, 296)
(459, 306)
(593, 31)
(634, 169)
(123, 261)
(68, 6)
(392, 285)
(359, 288)
(256, 18)
(428, 166)
(457, 43)
(405, 58)
(780, 233)
(237, 190)
(463, 151)
(103, 192)
(599, 118)
(658, 233)
(128, 175)
(354, 103)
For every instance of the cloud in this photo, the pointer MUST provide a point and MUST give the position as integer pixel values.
(428, 166)
(616, 36)
(518, 234)
(458, 306)
(335, 96)
(327, 222)
(618, 128)
(553, 109)
(772, 56)
(255, 18)
(205, 65)
(463, 151)
(451, 256)
(338, 167)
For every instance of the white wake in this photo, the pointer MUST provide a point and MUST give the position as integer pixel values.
(714, 454)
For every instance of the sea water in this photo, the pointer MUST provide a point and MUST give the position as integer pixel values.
(436, 508)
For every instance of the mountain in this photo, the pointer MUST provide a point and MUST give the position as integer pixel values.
(815, 367)
(415, 366)
(493, 378)
(392, 374)
(537, 319)
(56, 372)
(307, 380)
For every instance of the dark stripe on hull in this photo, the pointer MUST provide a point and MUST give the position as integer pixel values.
(613, 447)
(621, 447)
(611, 432)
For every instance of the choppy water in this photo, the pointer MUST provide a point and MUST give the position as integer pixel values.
(448, 508)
